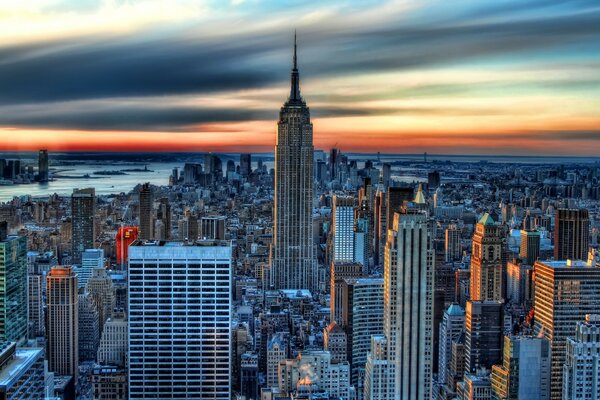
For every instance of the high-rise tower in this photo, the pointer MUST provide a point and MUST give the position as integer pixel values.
(486, 261)
(292, 254)
(83, 209)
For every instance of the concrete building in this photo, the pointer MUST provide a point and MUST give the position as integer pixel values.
(102, 293)
(22, 374)
(335, 342)
(377, 367)
(292, 253)
(146, 200)
(581, 372)
(184, 292)
(109, 383)
(362, 317)
(13, 287)
(571, 234)
(339, 272)
(486, 261)
(91, 259)
(408, 309)
(451, 327)
(565, 292)
(89, 331)
(113, 342)
(63, 318)
(212, 228)
(83, 211)
(475, 386)
(529, 250)
(277, 351)
(525, 370)
(484, 330)
(452, 243)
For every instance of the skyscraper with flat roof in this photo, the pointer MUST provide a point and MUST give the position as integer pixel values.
(571, 234)
(13, 287)
(530, 246)
(146, 209)
(565, 291)
(182, 294)
(43, 165)
(62, 347)
(83, 209)
(292, 253)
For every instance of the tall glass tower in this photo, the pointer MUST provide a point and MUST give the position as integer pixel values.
(292, 254)
(13, 287)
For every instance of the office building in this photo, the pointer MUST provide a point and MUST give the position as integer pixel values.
(486, 261)
(453, 245)
(343, 229)
(475, 386)
(91, 259)
(35, 301)
(519, 283)
(565, 292)
(581, 373)
(89, 332)
(362, 317)
(340, 271)
(377, 369)
(212, 228)
(245, 164)
(525, 369)
(63, 317)
(292, 252)
(13, 287)
(571, 234)
(146, 199)
(163, 217)
(484, 332)
(113, 342)
(408, 309)
(335, 342)
(184, 292)
(102, 294)
(277, 351)
(125, 236)
(451, 327)
(21, 372)
(109, 383)
(83, 210)
(43, 165)
(530, 246)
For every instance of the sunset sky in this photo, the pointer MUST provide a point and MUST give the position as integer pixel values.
(447, 77)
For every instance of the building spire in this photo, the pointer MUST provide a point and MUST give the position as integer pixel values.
(295, 90)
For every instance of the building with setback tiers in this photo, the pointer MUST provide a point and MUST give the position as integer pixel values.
(292, 253)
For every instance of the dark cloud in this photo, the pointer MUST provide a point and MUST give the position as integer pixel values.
(177, 64)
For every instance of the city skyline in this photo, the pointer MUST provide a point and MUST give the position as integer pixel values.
(514, 78)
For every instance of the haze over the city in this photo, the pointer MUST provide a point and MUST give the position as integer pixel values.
(462, 77)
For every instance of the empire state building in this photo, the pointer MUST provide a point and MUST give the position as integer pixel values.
(292, 254)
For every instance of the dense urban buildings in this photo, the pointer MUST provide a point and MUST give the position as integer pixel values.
(307, 274)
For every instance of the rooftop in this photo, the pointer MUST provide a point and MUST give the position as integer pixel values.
(566, 264)
(487, 219)
(14, 370)
(165, 243)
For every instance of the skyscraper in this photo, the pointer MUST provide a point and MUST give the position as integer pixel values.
(63, 315)
(452, 245)
(101, 291)
(565, 291)
(292, 254)
(88, 327)
(530, 246)
(184, 292)
(408, 309)
(486, 261)
(362, 317)
(43, 165)
(343, 229)
(146, 206)
(245, 164)
(582, 366)
(451, 327)
(13, 287)
(163, 214)
(571, 234)
(484, 327)
(125, 236)
(525, 369)
(91, 259)
(83, 209)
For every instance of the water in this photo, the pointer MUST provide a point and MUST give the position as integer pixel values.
(160, 167)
